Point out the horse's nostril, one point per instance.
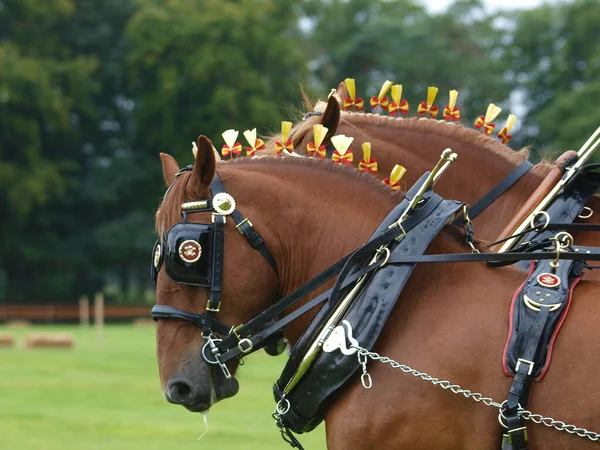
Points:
(181, 392)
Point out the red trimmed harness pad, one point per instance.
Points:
(544, 287)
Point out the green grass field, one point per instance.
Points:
(88, 398)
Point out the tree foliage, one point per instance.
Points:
(91, 92)
(555, 64)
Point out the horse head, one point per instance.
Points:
(189, 255)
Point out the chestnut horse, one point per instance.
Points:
(450, 320)
(416, 143)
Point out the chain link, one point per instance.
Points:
(559, 425)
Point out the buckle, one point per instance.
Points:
(525, 361)
(217, 309)
(238, 226)
(245, 345)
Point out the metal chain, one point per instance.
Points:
(559, 425)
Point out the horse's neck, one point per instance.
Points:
(308, 229)
(474, 174)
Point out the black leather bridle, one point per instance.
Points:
(187, 263)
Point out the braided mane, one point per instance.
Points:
(452, 130)
(169, 212)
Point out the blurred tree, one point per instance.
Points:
(58, 116)
(91, 92)
(201, 67)
(374, 40)
(41, 84)
(555, 65)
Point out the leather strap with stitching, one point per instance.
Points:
(515, 175)
(244, 226)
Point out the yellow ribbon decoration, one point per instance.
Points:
(231, 146)
(367, 164)
(451, 111)
(381, 99)
(284, 144)
(427, 107)
(345, 158)
(503, 133)
(396, 104)
(319, 132)
(254, 143)
(485, 122)
(395, 176)
(351, 100)
(341, 143)
(396, 93)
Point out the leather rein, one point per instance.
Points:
(239, 341)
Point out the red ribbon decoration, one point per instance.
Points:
(394, 186)
(279, 147)
(359, 103)
(346, 158)
(384, 103)
(423, 108)
(371, 166)
(487, 127)
(394, 108)
(453, 113)
(236, 150)
(321, 151)
(504, 136)
(258, 145)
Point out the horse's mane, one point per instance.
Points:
(444, 128)
(169, 212)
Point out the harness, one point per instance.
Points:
(193, 254)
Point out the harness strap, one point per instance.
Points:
(412, 221)
(229, 346)
(214, 302)
(344, 266)
(244, 226)
(505, 258)
(258, 339)
(267, 315)
(515, 175)
(516, 436)
(169, 312)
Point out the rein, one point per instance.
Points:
(515, 175)
(244, 339)
(239, 341)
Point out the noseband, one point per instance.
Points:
(193, 255)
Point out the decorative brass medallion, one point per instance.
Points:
(548, 280)
(157, 256)
(223, 204)
(190, 251)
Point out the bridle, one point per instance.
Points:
(193, 255)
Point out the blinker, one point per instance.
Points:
(188, 253)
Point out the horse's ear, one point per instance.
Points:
(341, 92)
(170, 168)
(331, 117)
(204, 167)
(308, 106)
